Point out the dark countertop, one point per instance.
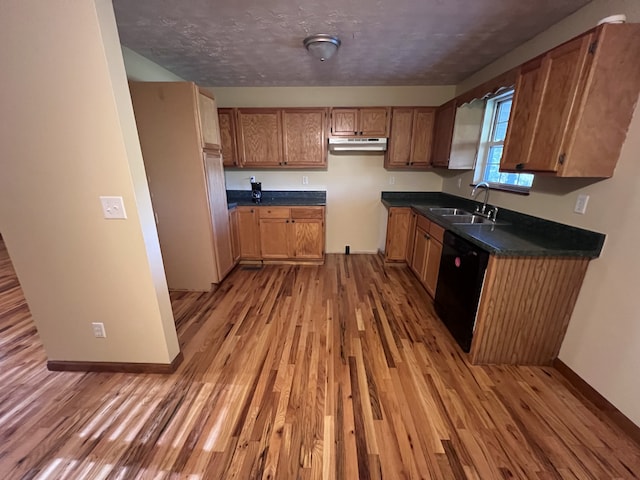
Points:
(515, 234)
(275, 198)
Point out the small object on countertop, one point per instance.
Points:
(256, 191)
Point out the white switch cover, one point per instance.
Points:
(581, 204)
(392, 180)
(113, 207)
(305, 180)
(98, 330)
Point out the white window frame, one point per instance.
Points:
(488, 128)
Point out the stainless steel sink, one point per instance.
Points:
(466, 219)
(448, 211)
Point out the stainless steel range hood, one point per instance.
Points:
(357, 145)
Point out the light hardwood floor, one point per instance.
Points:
(339, 371)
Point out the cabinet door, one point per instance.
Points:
(226, 120)
(248, 233)
(420, 252)
(541, 113)
(235, 235)
(219, 213)
(305, 137)
(399, 152)
(374, 122)
(344, 122)
(411, 238)
(259, 137)
(443, 134)
(274, 238)
(432, 266)
(561, 72)
(307, 232)
(422, 136)
(209, 128)
(307, 238)
(524, 117)
(399, 221)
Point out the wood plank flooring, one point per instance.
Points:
(340, 371)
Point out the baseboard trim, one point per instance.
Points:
(600, 403)
(115, 367)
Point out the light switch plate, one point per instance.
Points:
(113, 207)
(581, 204)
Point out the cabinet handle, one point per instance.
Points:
(426, 236)
(407, 163)
(355, 133)
(360, 133)
(520, 166)
(287, 221)
(285, 163)
(252, 210)
(293, 221)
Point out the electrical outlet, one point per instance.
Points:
(581, 204)
(392, 180)
(305, 180)
(252, 179)
(113, 207)
(98, 330)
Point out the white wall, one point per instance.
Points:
(355, 216)
(603, 341)
(62, 147)
(142, 69)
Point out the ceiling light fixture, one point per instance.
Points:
(322, 46)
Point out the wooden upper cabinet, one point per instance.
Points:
(401, 135)
(445, 117)
(411, 137)
(422, 136)
(208, 112)
(344, 122)
(259, 137)
(548, 86)
(374, 122)
(305, 137)
(356, 122)
(227, 121)
(573, 105)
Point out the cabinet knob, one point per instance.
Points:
(360, 133)
(293, 221)
(407, 163)
(355, 133)
(285, 163)
(427, 236)
(287, 221)
(520, 166)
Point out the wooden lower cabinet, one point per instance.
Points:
(399, 231)
(427, 248)
(248, 233)
(235, 236)
(282, 233)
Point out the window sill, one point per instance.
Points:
(507, 188)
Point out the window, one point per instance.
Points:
(494, 131)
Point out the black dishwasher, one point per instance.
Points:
(462, 267)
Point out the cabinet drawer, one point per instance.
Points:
(436, 232)
(423, 223)
(307, 212)
(274, 212)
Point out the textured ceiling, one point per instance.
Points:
(392, 42)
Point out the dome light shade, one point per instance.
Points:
(322, 46)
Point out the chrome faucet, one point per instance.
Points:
(491, 214)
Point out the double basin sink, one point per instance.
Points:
(459, 216)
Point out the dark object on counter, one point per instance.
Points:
(462, 268)
(256, 192)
